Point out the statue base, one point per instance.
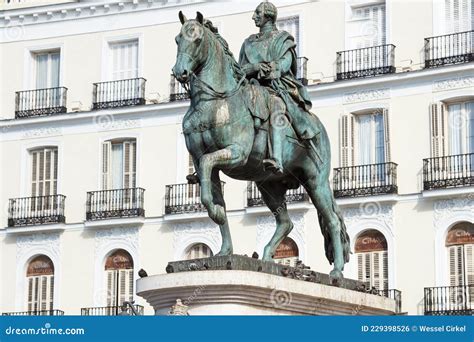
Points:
(230, 285)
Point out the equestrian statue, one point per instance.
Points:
(251, 120)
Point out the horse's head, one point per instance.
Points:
(191, 51)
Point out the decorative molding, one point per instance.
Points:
(366, 95)
(42, 132)
(114, 236)
(108, 123)
(266, 226)
(369, 212)
(453, 83)
(455, 208)
(29, 245)
(187, 233)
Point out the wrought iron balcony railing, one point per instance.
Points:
(449, 49)
(302, 70)
(448, 171)
(111, 311)
(365, 62)
(106, 204)
(184, 198)
(40, 102)
(121, 93)
(449, 300)
(393, 294)
(254, 197)
(365, 180)
(177, 91)
(28, 211)
(35, 313)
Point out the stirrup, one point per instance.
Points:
(272, 165)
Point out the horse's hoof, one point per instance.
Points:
(225, 251)
(335, 277)
(219, 215)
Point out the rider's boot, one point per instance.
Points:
(275, 162)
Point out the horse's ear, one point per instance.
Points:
(182, 17)
(199, 18)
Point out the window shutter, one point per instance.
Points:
(124, 60)
(123, 286)
(438, 126)
(360, 267)
(292, 26)
(106, 167)
(129, 174)
(385, 270)
(376, 270)
(386, 124)
(111, 287)
(455, 265)
(469, 259)
(347, 140)
(30, 294)
(130, 285)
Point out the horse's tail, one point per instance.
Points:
(326, 231)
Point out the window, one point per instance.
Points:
(40, 279)
(123, 60)
(452, 128)
(372, 259)
(460, 245)
(44, 171)
(292, 26)
(287, 252)
(199, 250)
(366, 26)
(119, 164)
(364, 138)
(119, 278)
(47, 69)
(458, 16)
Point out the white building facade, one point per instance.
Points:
(93, 177)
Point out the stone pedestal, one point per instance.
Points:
(243, 292)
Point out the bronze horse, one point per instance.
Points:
(221, 135)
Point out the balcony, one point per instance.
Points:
(365, 180)
(35, 313)
(449, 49)
(365, 62)
(39, 210)
(177, 91)
(395, 295)
(448, 171)
(302, 70)
(122, 93)
(184, 198)
(449, 300)
(254, 197)
(40, 102)
(117, 203)
(112, 311)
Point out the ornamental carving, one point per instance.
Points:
(455, 208)
(190, 232)
(453, 83)
(116, 236)
(38, 243)
(366, 95)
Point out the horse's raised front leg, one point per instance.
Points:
(273, 194)
(218, 199)
(231, 156)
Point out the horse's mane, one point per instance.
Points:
(236, 68)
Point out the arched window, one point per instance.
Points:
(119, 278)
(40, 279)
(287, 252)
(372, 259)
(198, 250)
(460, 244)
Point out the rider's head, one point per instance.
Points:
(265, 12)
